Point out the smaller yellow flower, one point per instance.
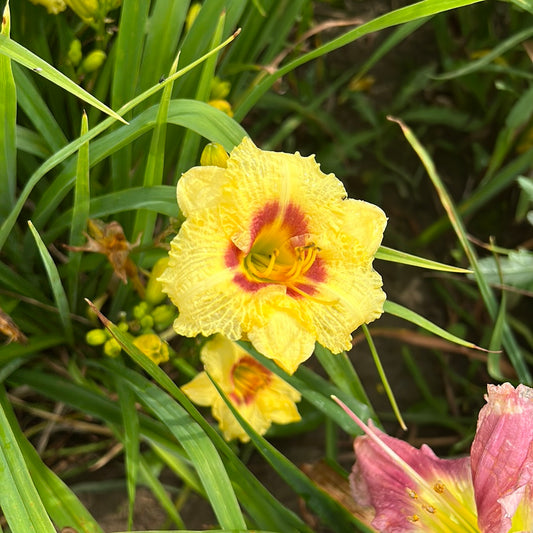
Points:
(153, 347)
(259, 396)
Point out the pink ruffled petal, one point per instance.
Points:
(411, 489)
(502, 460)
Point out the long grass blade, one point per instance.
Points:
(59, 501)
(55, 283)
(153, 174)
(509, 341)
(388, 254)
(407, 314)
(191, 436)
(80, 214)
(23, 56)
(403, 15)
(329, 510)
(68, 150)
(130, 423)
(8, 119)
(267, 512)
(19, 499)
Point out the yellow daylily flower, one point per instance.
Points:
(259, 396)
(272, 251)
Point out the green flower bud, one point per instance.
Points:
(219, 89)
(147, 322)
(74, 52)
(163, 316)
(112, 348)
(95, 337)
(93, 61)
(140, 310)
(153, 347)
(192, 14)
(214, 155)
(154, 290)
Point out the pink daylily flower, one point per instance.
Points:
(409, 489)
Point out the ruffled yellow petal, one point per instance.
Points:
(364, 225)
(280, 405)
(230, 426)
(218, 356)
(284, 339)
(359, 300)
(199, 189)
(200, 390)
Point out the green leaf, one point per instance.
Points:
(394, 18)
(153, 174)
(190, 435)
(19, 499)
(65, 152)
(402, 312)
(328, 509)
(258, 502)
(23, 56)
(80, 214)
(35, 108)
(509, 341)
(516, 269)
(8, 118)
(497, 51)
(130, 422)
(55, 283)
(59, 501)
(396, 256)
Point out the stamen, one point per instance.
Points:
(315, 299)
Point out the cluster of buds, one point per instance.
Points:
(90, 11)
(151, 317)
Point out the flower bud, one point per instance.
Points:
(154, 290)
(219, 89)
(214, 155)
(112, 348)
(163, 316)
(95, 337)
(153, 347)
(146, 322)
(192, 14)
(140, 310)
(74, 52)
(93, 61)
(85, 9)
(222, 105)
